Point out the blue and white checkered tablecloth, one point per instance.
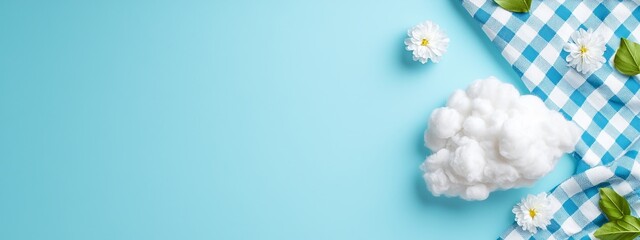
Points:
(605, 103)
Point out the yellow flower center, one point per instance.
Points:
(583, 50)
(425, 42)
(532, 213)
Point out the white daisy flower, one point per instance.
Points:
(533, 212)
(427, 41)
(586, 50)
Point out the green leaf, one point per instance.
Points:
(515, 5)
(627, 59)
(613, 205)
(626, 228)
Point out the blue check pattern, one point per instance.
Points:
(604, 103)
(575, 201)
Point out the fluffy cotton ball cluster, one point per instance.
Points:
(489, 137)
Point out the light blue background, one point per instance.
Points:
(232, 119)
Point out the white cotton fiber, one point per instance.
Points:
(489, 137)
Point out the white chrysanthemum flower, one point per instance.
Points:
(586, 50)
(533, 212)
(427, 41)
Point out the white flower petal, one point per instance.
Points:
(437, 42)
(540, 206)
(590, 60)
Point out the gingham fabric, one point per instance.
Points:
(575, 201)
(605, 103)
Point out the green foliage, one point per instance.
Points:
(621, 225)
(515, 5)
(626, 228)
(627, 59)
(613, 205)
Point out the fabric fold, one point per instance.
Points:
(604, 103)
(575, 200)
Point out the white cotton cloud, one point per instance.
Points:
(490, 137)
